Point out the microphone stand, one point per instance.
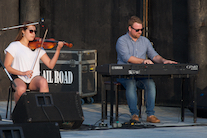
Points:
(19, 26)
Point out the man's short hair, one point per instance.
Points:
(134, 19)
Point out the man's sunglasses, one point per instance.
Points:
(31, 31)
(137, 30)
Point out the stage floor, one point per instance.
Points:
(170, 126)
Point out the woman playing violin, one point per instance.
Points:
(20, 59)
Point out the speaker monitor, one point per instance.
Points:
(30, 130)
(62, 107)
(10, 131)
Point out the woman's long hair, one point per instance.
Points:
(20, 34)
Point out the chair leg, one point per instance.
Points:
(7, 108)
(140, 102)
(10, 105)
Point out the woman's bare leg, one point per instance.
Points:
(19, 89)
(39, 83)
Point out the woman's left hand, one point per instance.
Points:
(60, 45)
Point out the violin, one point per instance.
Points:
(48, 43)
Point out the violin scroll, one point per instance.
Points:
(68, 44)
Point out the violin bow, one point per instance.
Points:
(39, 49)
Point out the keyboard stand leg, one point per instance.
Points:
(103, 105)
(117, 103)
(182, 100)
(111, 100)
(195, 99)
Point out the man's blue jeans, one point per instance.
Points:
(131, 93)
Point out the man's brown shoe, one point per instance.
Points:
(153, 119)
(135, 117)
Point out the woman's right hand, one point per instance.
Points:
(28, 73)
